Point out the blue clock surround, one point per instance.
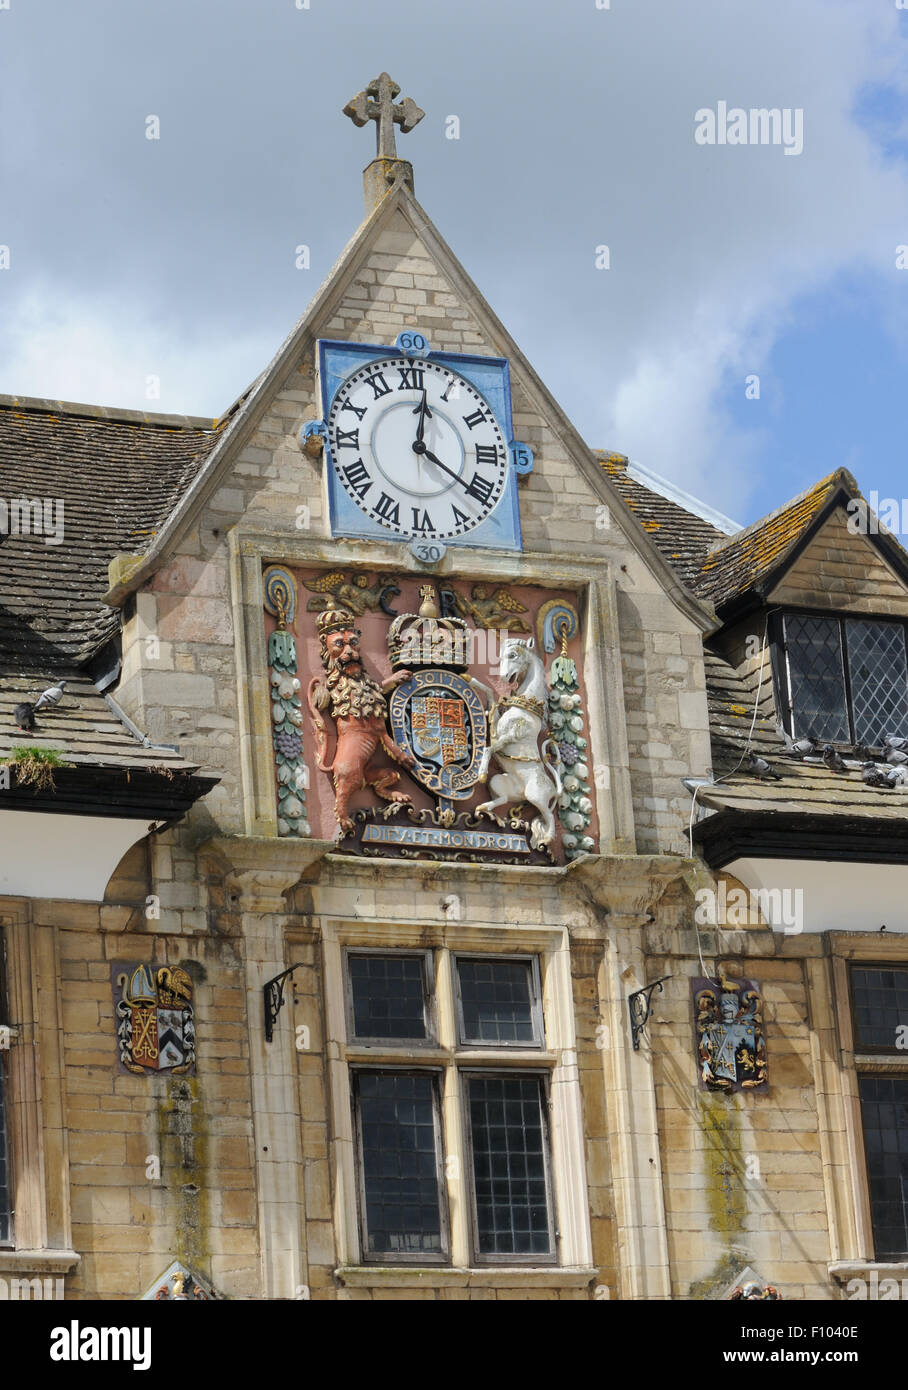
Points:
(490, 376)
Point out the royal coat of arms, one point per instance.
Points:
(155, 1026)
(439, 718)
(731, 1051)
(445, 728)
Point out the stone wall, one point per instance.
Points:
(744, 1172)
(250, 1185)
(185, 690)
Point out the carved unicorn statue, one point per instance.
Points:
(515, 724)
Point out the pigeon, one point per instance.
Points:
(833, 760)
(54, 694)
(761, 768)
(871, 776)
(896, 741)
(863, 753)
(798, 747)
(24, 716)
(896, 776)
(896, 757)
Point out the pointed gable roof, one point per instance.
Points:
(684, 537)
(747, 559)
(399, 202)
(744, 568)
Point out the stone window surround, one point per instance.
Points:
(568, 1160)
(839, 1107)
(593, 580)
(37, 1137)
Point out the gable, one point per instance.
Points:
(398, 273)
(842, 571)
(735, 566)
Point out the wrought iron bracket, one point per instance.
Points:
(640, 1005)
(274, 999)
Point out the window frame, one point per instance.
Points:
(892, 1063)
(464, 1043)
(429, 985)
(869, 1074)
(568, 1184)
(782, 667)
(851, 1218)
(417, 1257)
(865, 1049)
(5, 1146)
(533, 1259)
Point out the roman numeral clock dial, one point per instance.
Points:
(417, 448)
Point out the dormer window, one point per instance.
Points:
(843, 680)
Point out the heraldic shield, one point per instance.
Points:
(155, 1027)
(438, 717)
(731, 1051)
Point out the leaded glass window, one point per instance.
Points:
(884, 1111)
(880, 1003)
(816, 677)
(879, 679)
(388, 995)
(5, 1214)
(507, 1133)
(399, 1163)
(5, 1184)
(491, 1163)
(847, 678)
(499, 1002)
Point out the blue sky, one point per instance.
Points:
(174, 258)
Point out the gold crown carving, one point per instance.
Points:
(335, 620)
(425, 639)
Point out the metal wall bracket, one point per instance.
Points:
(274, 999)
(640, 1005)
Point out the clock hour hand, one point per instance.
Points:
(424, 413)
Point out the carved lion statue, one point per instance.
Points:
(357, 706)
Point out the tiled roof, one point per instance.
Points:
(738, 562)
(712, 564)
(119, 474)
(84, 728)
(717, 566)
(683, 537)
(807, 787)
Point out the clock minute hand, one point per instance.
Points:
(430, 458)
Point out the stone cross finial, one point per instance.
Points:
(376, 103)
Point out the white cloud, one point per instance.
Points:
(711, 248)
(64, 348)
(577, 129)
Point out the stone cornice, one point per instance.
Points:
(36, 1262)
(258, 870)
(526, 567)
(631, 885)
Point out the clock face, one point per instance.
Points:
(417, 448)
